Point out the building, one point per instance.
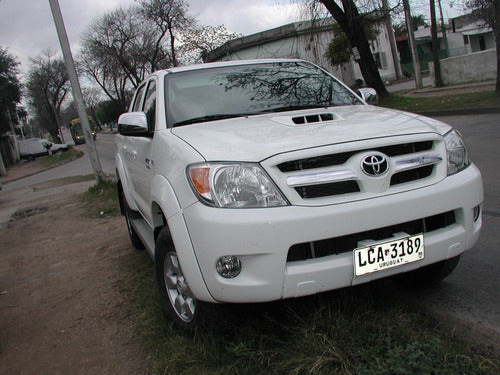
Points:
(464, 35)
(306, 40)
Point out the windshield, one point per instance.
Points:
(233, 91)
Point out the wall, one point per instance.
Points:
(474, 67)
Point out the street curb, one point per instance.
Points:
(6, 182)
(459, 112)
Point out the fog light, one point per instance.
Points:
(228, 266)
(477, 212)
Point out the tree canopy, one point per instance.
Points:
(121, 47)
(47, 88)
(10, 88)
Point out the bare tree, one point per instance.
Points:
(170, 18)
(200, 40)
(47, 88)
(121, 47)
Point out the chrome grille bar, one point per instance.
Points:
(416, 162)
(337, 175)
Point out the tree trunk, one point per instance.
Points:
(497, 87)
(350, 22)
(497, 42)
(55, 135)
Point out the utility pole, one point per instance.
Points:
(392, 39)
(443, 30)
(76, 89)
(435, 46)
(413, 46)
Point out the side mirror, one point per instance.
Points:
(368, 94)
(134, 124)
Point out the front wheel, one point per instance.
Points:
(428, 275)
(177, 300)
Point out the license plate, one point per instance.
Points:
(385, 255)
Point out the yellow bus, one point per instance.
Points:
(75, 127)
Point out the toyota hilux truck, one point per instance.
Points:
(254, 181)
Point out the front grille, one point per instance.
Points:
(411, 175)
(343, 244)
(341, 158)
(326, 190)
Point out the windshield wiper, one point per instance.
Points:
(294, 108)
(210, 118)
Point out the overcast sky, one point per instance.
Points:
(27, 27)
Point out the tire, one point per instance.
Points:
(428, 275)
(179, 305)
(129, 215)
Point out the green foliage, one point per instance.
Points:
(339, 50)
(10, 88)
(416, 20)
(101, 200)
(109, 110)
(363, 330)
(60, 157)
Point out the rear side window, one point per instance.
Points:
(138, 99)
(150, 105)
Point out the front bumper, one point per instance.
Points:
(261, 238)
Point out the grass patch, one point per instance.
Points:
(362, 330)
(479, 99)
(101, 200)
(60, 157)
(62, 181)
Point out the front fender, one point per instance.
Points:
(163, 196)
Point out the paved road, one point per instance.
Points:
(105, 144)
(472, 291)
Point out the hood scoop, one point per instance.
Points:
(312, 118)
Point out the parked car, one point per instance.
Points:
(254, 181)
(34, 147)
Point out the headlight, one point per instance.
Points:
(456, 151)
(234, 185)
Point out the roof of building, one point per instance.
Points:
(268, 36)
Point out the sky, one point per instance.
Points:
(27, 27)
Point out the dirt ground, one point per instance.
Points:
(62, 302)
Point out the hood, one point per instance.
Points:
(256, 138)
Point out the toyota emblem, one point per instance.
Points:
(375, 165)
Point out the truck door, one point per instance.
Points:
(144, 164)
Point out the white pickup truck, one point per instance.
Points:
(255, 181)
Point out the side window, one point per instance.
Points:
(150, 105)
(138, 99)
